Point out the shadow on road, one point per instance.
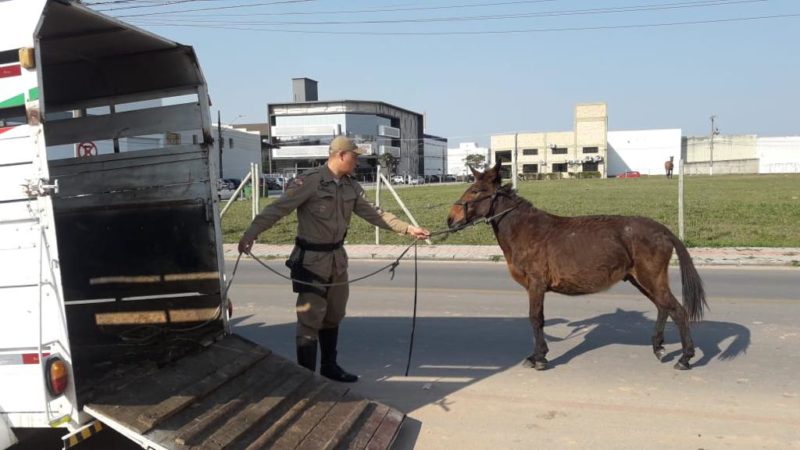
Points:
(453, 352)
(633, 328)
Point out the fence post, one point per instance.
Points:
(402, 205)
(681, 234)
(378, 202)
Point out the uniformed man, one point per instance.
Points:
(325, 198)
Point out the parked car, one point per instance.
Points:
(398, 179)
(416, 180)
(630, 174)
(233, 183)
(224, 189)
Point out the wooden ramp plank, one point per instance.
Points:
(235, 396)
(386, 431)
(319, 407)
(193, 425)
(190, 394)
(335, 424)
(362, 433)
(265, 439)
(255, 413)
(126, 406)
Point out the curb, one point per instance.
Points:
(702, 256)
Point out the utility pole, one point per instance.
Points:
(711, 144)
(221, 142)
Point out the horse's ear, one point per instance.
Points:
(496, 169)
(475, 173)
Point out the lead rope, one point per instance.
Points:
(391, 266)
(414, 316)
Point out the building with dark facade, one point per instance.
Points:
(301, 131)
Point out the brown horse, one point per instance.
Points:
(668, 166)
(583, 255)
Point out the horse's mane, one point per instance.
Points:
(509, 191)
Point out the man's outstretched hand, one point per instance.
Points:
(245, 244)
(417, 232)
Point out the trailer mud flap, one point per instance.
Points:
(235, 394)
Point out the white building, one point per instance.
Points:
(778, 154)
(456, 157)
(239, 148)
(644, 151)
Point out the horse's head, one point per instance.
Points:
(476, 202)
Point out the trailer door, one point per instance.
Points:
(33, 325)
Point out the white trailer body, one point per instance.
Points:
(95, 230)
(111, 264)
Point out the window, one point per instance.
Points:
(194, 139)
(559, 150)
(530, 151)
(530, 168)
(503, 156)
(590, 149)
(173, 139)
(230, 142)
(590, 167)
(561, 167)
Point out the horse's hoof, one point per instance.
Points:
(660, 354)
(540, 365)
(680, 365)
(528, 363)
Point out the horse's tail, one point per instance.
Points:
(694, 296)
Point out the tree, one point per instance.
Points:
(389, 162)
(476, 160)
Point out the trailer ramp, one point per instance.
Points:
(238, 395)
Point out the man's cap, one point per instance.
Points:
(344, 144)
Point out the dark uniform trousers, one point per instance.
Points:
(322, 308)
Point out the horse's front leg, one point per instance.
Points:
(537, 360)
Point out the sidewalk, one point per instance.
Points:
(744, 256)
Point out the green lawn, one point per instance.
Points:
(721, 211)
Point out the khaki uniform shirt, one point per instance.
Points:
(324, 209)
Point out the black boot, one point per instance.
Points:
(307, 352)
(328, 367)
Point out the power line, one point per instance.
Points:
(576, 12)
(375, 10)
(212, 8)
(485, 32)
(153, 5)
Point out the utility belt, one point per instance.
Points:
(311, 247)
(300, 273)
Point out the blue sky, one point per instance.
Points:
(488, 80)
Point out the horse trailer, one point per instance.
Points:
(113, 282)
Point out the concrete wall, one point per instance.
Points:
(698, 149)
(644, 151)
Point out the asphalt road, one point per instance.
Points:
(467, 389)
(605, 389)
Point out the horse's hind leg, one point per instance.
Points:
(658, 337)
(537, 360)
(666, 302)
(681, 319)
